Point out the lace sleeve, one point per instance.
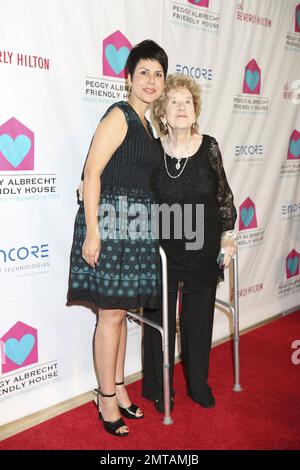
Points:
(224, 193)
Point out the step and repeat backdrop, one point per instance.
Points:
(61, 65)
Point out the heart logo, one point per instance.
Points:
(18, 351)
(247, 215)
(293, 264)
(15, 150)
(116, 58)
(252, 79)
(295, 148)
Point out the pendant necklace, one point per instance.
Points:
(178, 164)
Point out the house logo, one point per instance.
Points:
(199, 3)
(252, 78)
(297, 18)
(19, 347)
(16, 146)
(247, 213)
(292, 264)
(294, 146)
(116, 49)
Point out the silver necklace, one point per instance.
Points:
(177, 166)
(166, 167)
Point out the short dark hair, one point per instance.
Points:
(147, 49)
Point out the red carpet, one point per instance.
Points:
(266, 415)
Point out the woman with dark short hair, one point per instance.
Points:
(118, 273)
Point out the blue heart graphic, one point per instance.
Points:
(247, 215)
(295, 148)
(116, 58)
(298, 18)
(252, 79)
(15, 150)
(18, 351)
(293, 264)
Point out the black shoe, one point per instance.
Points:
(208, 401)
(112, 427)
(130, 411)
(159, 405)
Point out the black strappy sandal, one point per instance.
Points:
(130, 411)
(110, 426)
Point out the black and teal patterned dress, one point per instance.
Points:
(127, 275)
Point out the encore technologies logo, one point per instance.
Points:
(23, 260)
(115, 50)
(249, 153)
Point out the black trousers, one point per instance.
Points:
(196, 324)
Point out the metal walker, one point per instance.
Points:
(234, 310)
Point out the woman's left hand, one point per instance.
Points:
(229, 247)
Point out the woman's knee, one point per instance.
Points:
(112, 317)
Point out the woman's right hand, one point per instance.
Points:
(91, 249)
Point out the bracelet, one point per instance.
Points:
(229, 235)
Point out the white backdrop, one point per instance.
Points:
(61, 66)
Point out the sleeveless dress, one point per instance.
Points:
(203, 181)
(127, 275)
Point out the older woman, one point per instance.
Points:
(191, 173)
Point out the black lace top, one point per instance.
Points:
(202, 182)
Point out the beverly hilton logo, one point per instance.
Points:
(19, 347)
(111, 85)
(250, 100)
(16, 146)
(291, 166)
(251, 17)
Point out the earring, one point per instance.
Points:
(163, 126)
